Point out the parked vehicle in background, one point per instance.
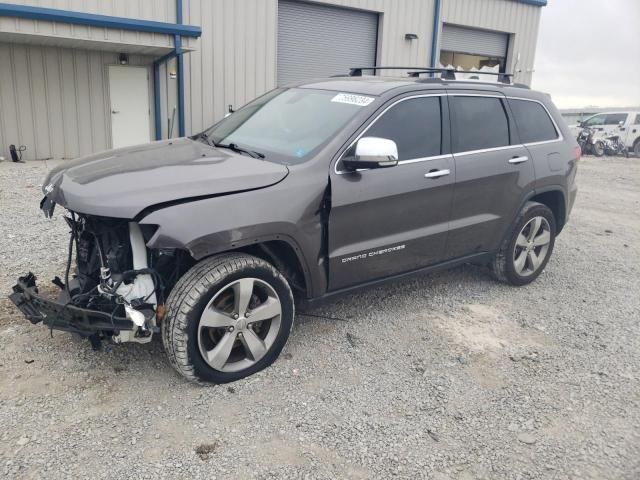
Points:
(307, 192)
(626, 125)
(614, 145)
(589, 143)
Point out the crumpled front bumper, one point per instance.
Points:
(60, 315)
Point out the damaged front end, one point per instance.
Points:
(116, 290)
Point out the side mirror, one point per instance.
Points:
(579, 123)
(372, 152)
(621, 123)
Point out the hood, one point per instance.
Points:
(121, 183)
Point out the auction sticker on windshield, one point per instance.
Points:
(353, 99)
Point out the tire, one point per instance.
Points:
(598, 149)
(202, 316)
(507, 262)
(636, 148)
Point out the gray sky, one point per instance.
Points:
(589, 53)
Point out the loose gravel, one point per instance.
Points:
(447, 376)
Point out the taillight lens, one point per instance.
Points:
(578, 153)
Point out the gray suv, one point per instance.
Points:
(305, 193)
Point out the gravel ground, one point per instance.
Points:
(448, 376)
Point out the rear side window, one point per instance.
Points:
(616, 118)
(415, 125)
(481, 122)
(534, 124)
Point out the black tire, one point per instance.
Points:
(636, 148)
(503, 264)
(192, 294)
(598, 149)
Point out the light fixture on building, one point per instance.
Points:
(123, 59)
(410, 36)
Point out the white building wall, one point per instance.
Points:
(237, 57)
(55, 100)
(234, 61)
(156, 10)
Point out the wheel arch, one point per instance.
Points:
(555, 199)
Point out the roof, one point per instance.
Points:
(379, 85)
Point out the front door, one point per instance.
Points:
(129, 102)
(493, 172)
(392, 220)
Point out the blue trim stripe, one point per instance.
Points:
(434, 34)
(94, 20)
(537, 3)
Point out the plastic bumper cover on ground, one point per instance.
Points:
(60, 315)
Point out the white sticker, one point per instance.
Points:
(353, 99)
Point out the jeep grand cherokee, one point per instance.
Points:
(307, 192)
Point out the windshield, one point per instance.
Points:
(291, 123)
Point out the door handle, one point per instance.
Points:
(516, 160)
(115, 111)
(437, 173)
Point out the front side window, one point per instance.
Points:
(533, 122)
(637, 121)
(288, 123)
(414, 124)
(481, 122)
(594, 121)
(616, 118)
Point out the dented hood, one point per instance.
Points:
(121, 183)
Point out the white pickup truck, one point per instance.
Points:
(625, 124)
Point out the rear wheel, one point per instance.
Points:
(598, 149)
(636, 148)
(527, 249)
(227, 318)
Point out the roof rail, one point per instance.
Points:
(445, 73)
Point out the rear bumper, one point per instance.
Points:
(59, 315)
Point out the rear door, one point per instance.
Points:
(391, 220)
(541, 136)
(493, 172)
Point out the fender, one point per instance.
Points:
(287, 213)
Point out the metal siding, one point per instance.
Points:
(155, 10)
(228, 56)
(473, 41)
(520, 20)
(55, 101)
(320, 41)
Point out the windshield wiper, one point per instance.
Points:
(236, 148)
(231, 146)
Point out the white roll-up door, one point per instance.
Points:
(474, 41)
(319, 41)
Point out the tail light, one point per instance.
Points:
(578, 153)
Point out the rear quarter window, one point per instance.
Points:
(533, 121)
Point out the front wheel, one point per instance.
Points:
(527, 249)
(227, 318)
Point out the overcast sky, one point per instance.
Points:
(589, 53)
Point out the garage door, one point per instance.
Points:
(474, 41)
(318, 41)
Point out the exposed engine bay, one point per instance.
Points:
(117, 288)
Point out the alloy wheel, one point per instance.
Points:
(239, 325)
(532, 246)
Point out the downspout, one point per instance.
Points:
(177, 52)
(180, 61)
(156, 100)
(434, 34)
